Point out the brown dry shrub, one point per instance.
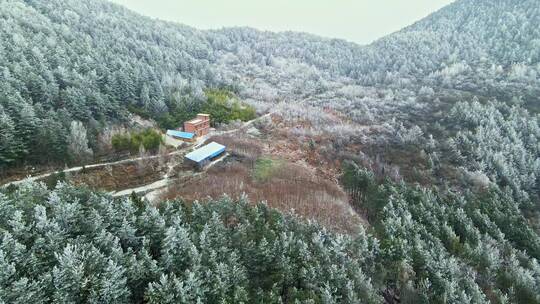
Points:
(119, 176)
(241, 146)
(248, 149)
(291, 188)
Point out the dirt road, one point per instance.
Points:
(93, 166)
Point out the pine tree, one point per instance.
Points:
(7, 275)
(69, 276)
(27, 127)
(11, 146)
(112, 287)
(51, 140)
(178, 252)
(171, 290)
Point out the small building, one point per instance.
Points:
(200, 126)
(202, 156)
(185, 136)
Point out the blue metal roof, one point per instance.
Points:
(213, 149)
(180, 134)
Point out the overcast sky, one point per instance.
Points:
(361, 21)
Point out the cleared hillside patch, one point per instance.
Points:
(287, 186)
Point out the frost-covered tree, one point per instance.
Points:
(74, 245)
(502, 142)
(11, 146)
(78, 142)
(439, 246)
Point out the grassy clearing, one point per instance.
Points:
(266, 167)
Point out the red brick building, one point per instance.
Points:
(199, 126)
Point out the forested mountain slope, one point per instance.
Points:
(74, 245)
(505, 32)
(69, 60)
(85, 247)
(478, 45)
(64, 61)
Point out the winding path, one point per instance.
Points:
(129, 160)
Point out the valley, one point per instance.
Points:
(402, 171)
